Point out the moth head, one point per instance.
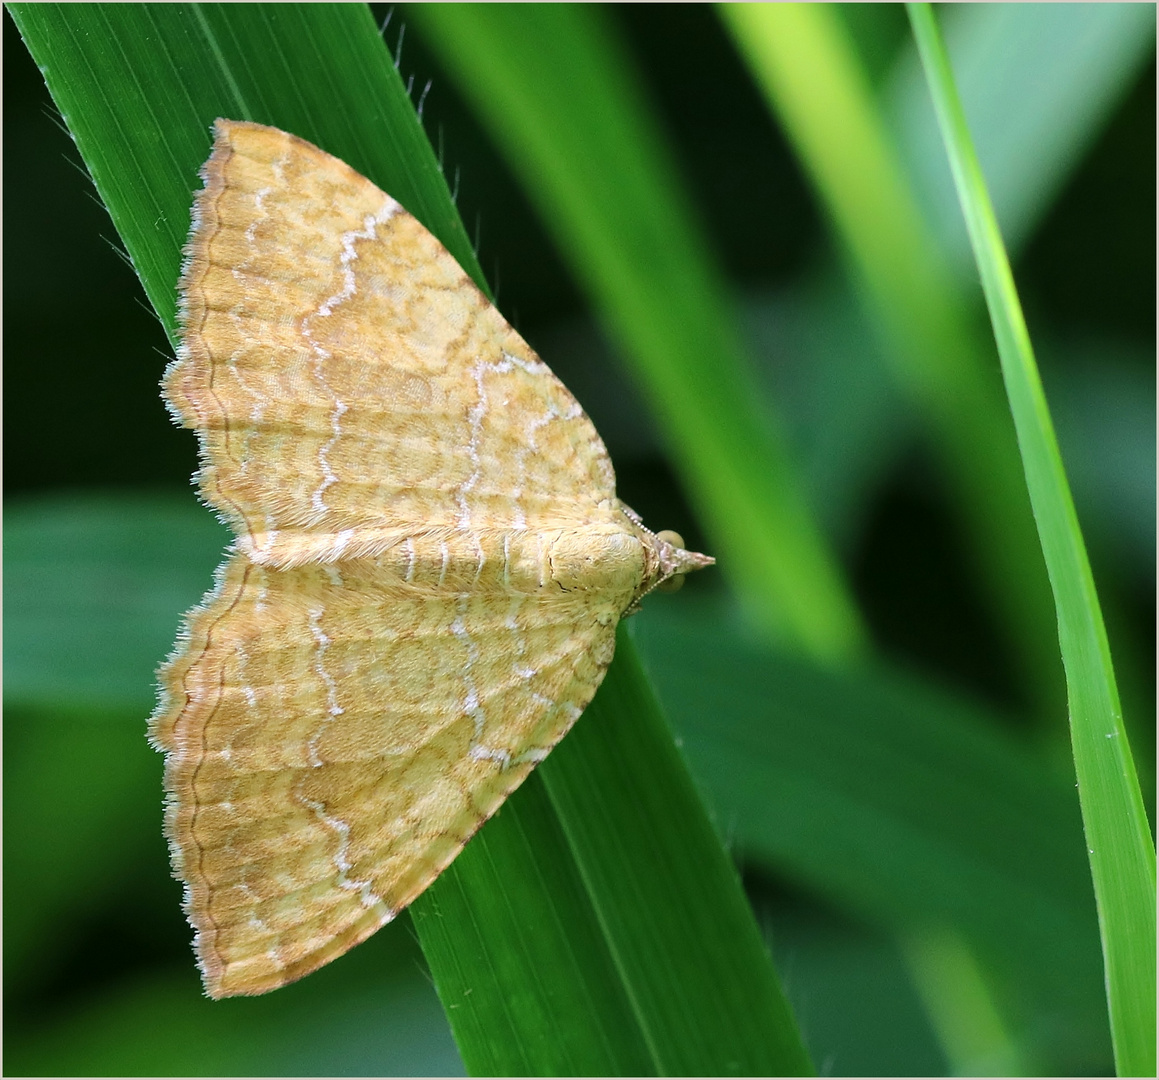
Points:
(674, 561)
(666, 561)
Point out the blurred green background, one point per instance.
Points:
(907, 831)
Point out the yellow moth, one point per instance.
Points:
(429, 568)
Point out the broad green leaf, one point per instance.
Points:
(94, 589)
(356, 1023)
(898, 803)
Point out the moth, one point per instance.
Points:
(429, 566)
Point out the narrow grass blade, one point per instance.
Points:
(553, 86)
(801, 57)
(1047, 76)
(139, 86)
(1122, 854)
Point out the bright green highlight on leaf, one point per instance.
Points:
(803, 60)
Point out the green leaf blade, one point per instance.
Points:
(1119, 842)
(740, 1023)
